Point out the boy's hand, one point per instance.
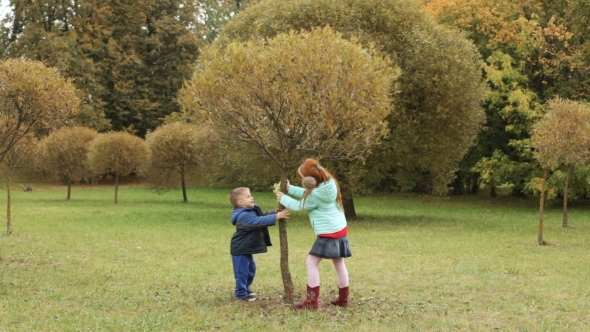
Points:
(283, 214)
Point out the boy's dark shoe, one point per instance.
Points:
(251, 293)
(248, 298)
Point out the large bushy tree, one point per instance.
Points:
(65, 155)
(437, 113)
(295, 95)
(178, 151)
(33, 98)
(118, 154)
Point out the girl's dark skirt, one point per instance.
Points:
(325, 247)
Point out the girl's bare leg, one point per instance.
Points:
(341, 270)
(313, 270)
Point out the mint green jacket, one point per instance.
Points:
(325, 215)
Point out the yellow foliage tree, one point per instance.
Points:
(179, 149)
(32, 97)
(562, 136)
(118, 154)
(293, 96)
(65, 154)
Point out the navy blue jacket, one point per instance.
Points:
(251, 236)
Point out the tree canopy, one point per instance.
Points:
(436, 114)
(294, 95)
(65, 154)
(118, 154)
(180, 151)
(33, 98)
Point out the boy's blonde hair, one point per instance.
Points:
(235, 195)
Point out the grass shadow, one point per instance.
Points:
(400, 220)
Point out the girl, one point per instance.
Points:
(322, 200)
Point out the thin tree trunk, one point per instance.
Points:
(347, 199)
(458, 184)
(183, 183)
(8, 208)
(474, 183)
(116, 188)
(565, 190)
(348, 205)
(69, 188)
(285, 272)
(493, 192)
(542, 208)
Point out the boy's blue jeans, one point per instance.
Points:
(244, 272)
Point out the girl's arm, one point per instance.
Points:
(295, 191)
(296, 205)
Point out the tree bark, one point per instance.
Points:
(348, 202)
(183, 182)
(348, 205)
(285, 272)
(475, 182)
(116, 188)
(565, 190)
(458, 185)
(541, 208)
(8, 208)
(493, 191)
(69, 188)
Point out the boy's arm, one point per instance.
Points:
(250, 221)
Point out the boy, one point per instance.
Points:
(251, 237)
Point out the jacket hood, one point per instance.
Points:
(326, 192)
(237, 211)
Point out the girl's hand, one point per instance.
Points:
(279, 196)
(277, 187)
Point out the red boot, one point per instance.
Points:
(342, 299)
(313, 295)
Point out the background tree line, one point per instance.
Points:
(532, 51)
(129, 59)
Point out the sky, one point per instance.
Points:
(3, 8)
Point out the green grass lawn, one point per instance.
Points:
(153, 263)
